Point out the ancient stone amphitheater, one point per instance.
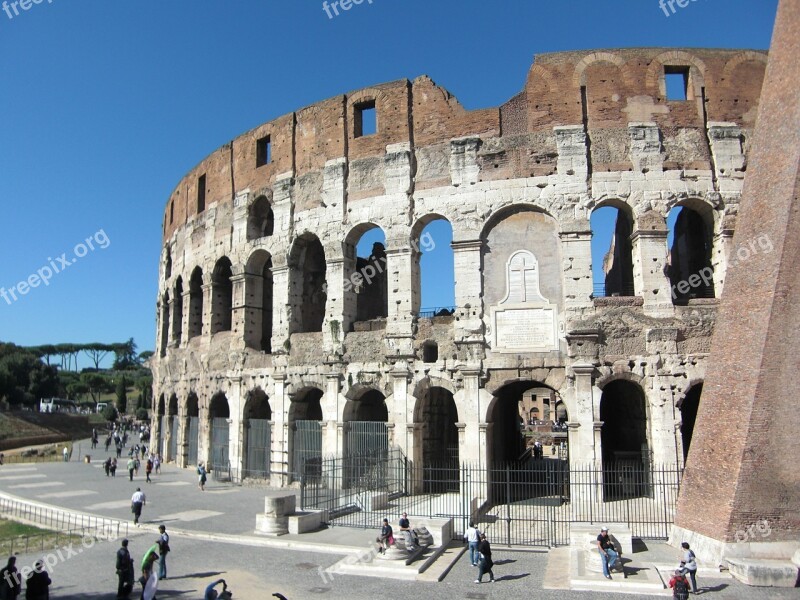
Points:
(278, 344)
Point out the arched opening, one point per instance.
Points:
(260, 219)
(366, 284)
(257, 434)
(307, 289)
(221, 296)
(173, 423)
(691, 240)
(219, 414)
(177, 312)
(164, 323)
(436, 413)
(430, 352)
(162, 424)
(689, 407)
(366, 447)
(612, 251)
(192, 432)
(258, 291)
(196, 303)
(305, 425)
(517, 469)
(433, 267)
(623, 437)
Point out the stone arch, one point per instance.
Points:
(172, 407)
(500, 214)
(690, 268)
(307, 284)
(160, 407)
(689, 404)
(260, 219)
(741, 58)
(422, 244)
(305, 404)
(196, 303)
(431, 381)
(366, 285)
(190, 424)
(257, 405)
(616, 278)
(436, 439)
(604, 380)
(579, 76)
(219, 414)
(222, 296)
(256, 430)
(676, 58)
(624, 438)
(259, 300)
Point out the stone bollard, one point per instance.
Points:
(275, 519)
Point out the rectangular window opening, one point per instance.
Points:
(171, 212)
(677, 80)
(201, 194)
(263, 151)
(366, 119)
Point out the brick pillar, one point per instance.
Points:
(742, 463)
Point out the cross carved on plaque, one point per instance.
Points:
(523, 278)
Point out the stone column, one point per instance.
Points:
(649, 243)
(333, 429)
(280, 460)
(238, 310)
(584, 447)
(468, 325)
(340, 310)
(208, 309)
(187, 303)
(281, 312)
(576, 251)
(402, 304)
(402, 406)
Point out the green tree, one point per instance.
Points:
(95, 382)
(24, 378)
(143, 414)
(110, 413)
(97, 352)
(122, 395)
(125, 356)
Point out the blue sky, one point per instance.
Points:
(106, 105)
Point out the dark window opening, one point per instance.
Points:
(430, 352)
(263, 151)
(171, 212)
(366, 119)
(201, 194)
(677, 80)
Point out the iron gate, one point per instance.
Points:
(162, 429)
(529, 503)
(307, 449)
(259, 436)
(220, 439)
(173, 440)
(194, 431)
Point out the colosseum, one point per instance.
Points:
(283, 346)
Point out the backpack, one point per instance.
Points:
(681, 589)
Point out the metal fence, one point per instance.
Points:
(220, 442)
(173, 440)
(193, 432)
(529, 503)
(258, 439)
(307, 444)
(61, 520)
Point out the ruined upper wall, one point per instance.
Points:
(604, 90)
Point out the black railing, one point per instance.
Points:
(524, 503)
(599, 290)
(436, 311)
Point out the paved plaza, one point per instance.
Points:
(212, 538)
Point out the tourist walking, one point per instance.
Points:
(473, 538)
(38, 585)
(149, 577)
(201, 477)
(157, 460)
(148, 468)
(689, 565)
(608, 554)
(125, 572)
(485, 562)
(130, 466)
(138, 500)
(107, 466)
(10, 584)
(65, 452)
(163, 547)
(113, 467)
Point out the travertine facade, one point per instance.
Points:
(258, 302)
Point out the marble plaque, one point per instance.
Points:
(525, 328)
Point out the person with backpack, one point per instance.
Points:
(201, 477)
(679, 585)
(689, 565)
(38, 585)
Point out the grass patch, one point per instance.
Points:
(19, 538)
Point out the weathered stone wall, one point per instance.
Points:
(589, 129)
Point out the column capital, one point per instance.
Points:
(466, 245)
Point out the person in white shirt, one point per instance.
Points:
(472, 536)
(138, 500)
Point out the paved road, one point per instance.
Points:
(254, 572)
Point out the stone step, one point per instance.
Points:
(764, 572)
